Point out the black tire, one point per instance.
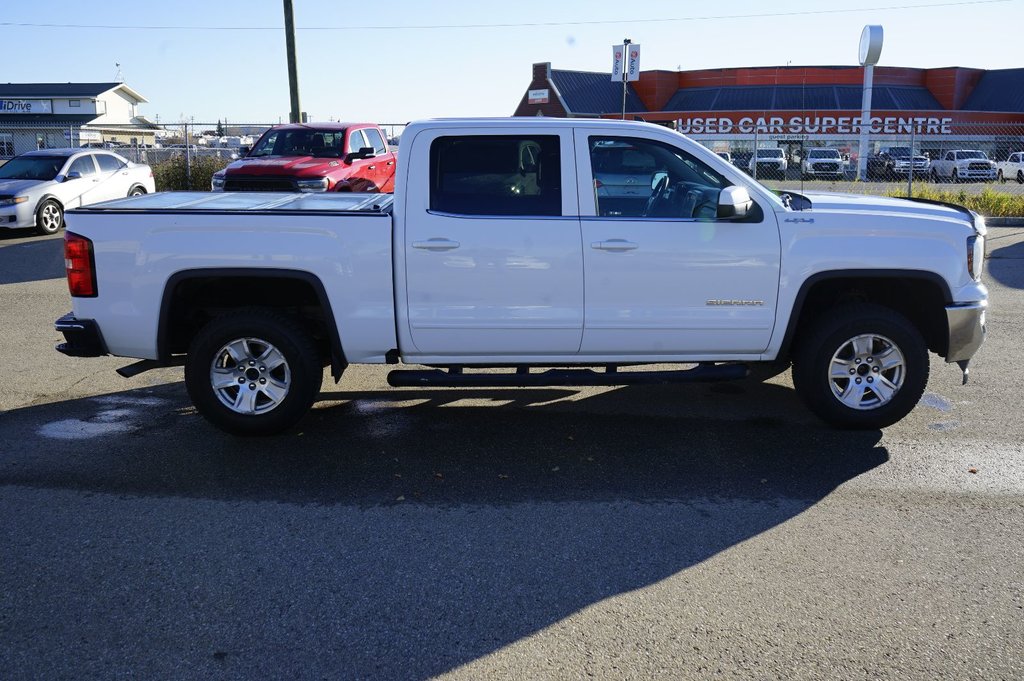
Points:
(1020, 177)
(829, 335)
(301, 362)
(49, 217)
(136, 191)
(955, 177)
(1002, 180)
(935, 176)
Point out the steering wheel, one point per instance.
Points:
(656, 195)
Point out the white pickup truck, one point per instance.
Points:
(963, 165)
(499, 261)
(1012, 168)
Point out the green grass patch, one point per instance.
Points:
(990, 203)
(171, 175)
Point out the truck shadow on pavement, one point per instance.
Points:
(1006, 264)
(408, 532)
(25, 257)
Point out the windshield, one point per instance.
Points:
(769, 153)
(971, 154)
(823, 153)
(300, 142)
(32, 168)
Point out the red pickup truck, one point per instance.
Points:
(313, 157)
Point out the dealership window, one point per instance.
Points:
(74, 102)
(496, 175)
(641, 178)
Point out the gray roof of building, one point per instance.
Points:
(55, 89)
(586, 92)
(1001, 90)
(795, 97)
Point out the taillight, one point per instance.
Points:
(80, 265)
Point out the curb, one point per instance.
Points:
(1004, 222)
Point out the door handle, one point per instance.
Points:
(391, 163)
(615, 245)
(373, 167)
(436, 244)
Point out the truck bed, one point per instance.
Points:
(250, 202)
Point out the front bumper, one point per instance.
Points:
(966, 322)
(966, 174)
(19, 215)
(82, 337)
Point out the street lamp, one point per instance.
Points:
(870, 51)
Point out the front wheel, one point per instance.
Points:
(253, 372)
(999, 176)
(861, 366)
(1020, 177)
(49, 217)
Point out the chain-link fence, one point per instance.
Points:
(897, 157)
(189, 152)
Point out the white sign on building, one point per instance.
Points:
(26, 106)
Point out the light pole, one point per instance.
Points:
(870, 51)
(293, 69)
(625, 72)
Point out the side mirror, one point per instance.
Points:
(244, 150)
(734, 202)
(73, 175)
(364, 152)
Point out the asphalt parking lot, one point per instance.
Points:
(675, 532)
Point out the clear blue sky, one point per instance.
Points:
(396, 74)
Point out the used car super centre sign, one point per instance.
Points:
(26, 106)
(927, 125)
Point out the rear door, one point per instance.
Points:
(114, 181)
(383, 166)
(493, 261)
(79, 191)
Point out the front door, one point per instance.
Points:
(493, 256)
(664, 276)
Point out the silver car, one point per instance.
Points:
(37, 187)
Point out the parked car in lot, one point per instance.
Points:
(313, 157)
(770, 163)
(38, 186)
(1012, 168)
(822, 162)
(894, 163)
(725, 155)
(501, 254)
(963, 165)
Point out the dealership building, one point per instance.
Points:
(53, 115)
(798, 106)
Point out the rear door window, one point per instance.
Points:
(496, 175)
(108, 163)
(374, 140)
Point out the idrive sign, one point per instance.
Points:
(26, 106)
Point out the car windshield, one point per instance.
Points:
(823, 153)
(971, 154)
(899, 151)
(769, 153)
(301, 142)
(32, 168)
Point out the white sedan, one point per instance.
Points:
(37, 187)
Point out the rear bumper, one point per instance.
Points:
(82, 337)
(966, 322)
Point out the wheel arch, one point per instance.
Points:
(928, 294)
(177, 322)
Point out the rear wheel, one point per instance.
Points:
(1020, 177)
(862, 366)
(253, 372)
(136, 191)
(49, 217)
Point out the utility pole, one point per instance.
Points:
(293, 70)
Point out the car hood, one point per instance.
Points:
(15, 187)
(296, 166)
(862, 202)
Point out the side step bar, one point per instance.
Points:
(455, 378)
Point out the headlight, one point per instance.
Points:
(13, 200)
(319, 185)
(975, 256)
(216, 183)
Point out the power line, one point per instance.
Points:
(536, 24)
